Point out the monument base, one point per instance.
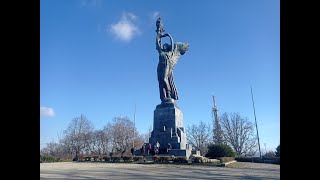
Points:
(168, 129)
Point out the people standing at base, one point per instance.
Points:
(149, 148)
(143, 150)
(169, 147)
(157, 147)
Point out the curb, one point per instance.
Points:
(225, 164)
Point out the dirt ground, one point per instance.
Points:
(93, 170)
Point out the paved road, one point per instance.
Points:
(87, 170)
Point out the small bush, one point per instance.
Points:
(138, 158)
(65, 160)
(126, 158)
(116, 157)
(220, 150)
(269, 154)
(155, 159)
(180, 160)
(80, 157)
(49, 159)
(273, 160)
(165, 159)
(106, 158)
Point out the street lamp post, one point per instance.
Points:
(134, 128)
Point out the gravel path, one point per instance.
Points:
(87, 170)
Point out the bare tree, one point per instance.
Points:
(199, 136)
(55, 149)
(80, 137)
(139, 140)
(107, 142)
(91, 143)
(122, 133)
(239, 133)
(52, 149)
(78, 134)
(45, 151)
(67, 145)
(99, 144)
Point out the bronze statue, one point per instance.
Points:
(168, 57)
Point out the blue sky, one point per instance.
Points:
(98, 58)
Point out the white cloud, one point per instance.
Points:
(155, 15)
(46, 112)
(125, 29)
(132, 16)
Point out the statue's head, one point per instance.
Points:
(166, 47)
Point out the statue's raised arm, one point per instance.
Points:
(159, 32)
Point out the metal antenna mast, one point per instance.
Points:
(217, 136)
(254, 111)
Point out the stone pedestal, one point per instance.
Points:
(168, 128)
